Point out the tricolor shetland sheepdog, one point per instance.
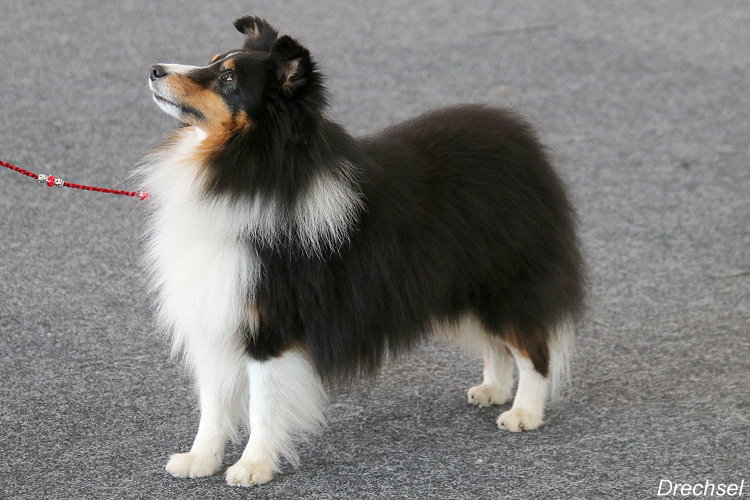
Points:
(286, 254)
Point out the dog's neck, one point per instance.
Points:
(315, 220)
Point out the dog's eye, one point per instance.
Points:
(227, 76)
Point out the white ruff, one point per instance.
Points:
(200, 268)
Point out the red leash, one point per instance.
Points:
(52, 181)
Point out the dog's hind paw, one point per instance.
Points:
(248, 474)
(487, 395)
(192, 465)
(517, 420)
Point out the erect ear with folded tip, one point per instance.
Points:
(294, 67)
(259, 35)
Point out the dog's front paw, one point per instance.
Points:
(192, 465)
(248, 474)
(488, 395)
(517, 420)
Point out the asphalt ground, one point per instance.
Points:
(644, 106)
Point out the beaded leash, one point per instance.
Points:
(52, 181)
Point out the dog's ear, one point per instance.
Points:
(295, 69)
(259, 35)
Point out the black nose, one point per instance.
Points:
(158, 71)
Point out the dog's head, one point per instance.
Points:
(239, 86)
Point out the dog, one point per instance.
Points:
(286, 254)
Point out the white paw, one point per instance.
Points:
(248, 474)
(488, 395)
(192, 465)
(518, 419)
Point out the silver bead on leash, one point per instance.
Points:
(50, 180)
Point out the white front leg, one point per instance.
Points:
(287, 401)
(222, 390)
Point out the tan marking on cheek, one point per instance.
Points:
(215, 111)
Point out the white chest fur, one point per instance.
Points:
(202, 272)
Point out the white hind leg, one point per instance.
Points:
(528, 407)
(527, 412)
(469, 333)
(497, 376)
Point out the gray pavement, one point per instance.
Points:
(645, 108)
